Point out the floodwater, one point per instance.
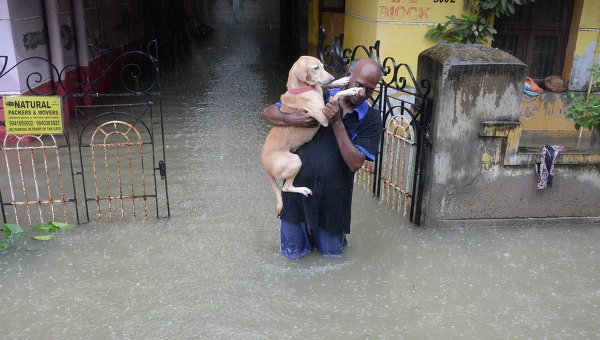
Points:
(213, 270)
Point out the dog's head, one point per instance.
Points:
(310, 71)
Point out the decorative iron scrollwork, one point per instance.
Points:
(138, 73)
(398, 76)
(399, 97)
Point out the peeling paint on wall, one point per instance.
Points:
(580, 76)
(31, 40)
(67, 37)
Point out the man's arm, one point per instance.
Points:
(299, 118)
(353, 157)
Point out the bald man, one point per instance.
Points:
(329, 162)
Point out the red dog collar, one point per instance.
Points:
(302, 89)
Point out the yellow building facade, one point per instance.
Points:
(401, 26)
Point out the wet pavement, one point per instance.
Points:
(213, 270)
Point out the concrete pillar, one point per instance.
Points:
(470, 84)
(475, 175)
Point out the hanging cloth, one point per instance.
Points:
(545, 168)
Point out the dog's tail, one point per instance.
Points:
(275, 187)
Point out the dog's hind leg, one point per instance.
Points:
(293, 166)
(289, 187)
(275, 188)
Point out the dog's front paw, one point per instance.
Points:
(340, 82)
(348, 92)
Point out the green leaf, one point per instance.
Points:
(3, 245)
(10, 229)
(43, 237)
(60, 225)
(44, 228)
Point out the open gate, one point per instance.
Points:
(110, 159)
(399, 172)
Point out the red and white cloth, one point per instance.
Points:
(545, 168)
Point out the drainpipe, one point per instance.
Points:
(82, 47)
(81, 39)
(54, 41)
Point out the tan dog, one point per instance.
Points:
(305, 81)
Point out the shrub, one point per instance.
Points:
(475, 27)
(586, 113)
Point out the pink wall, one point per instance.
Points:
(10, 81)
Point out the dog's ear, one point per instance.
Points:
(301, 71)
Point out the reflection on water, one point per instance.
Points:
(213, 269)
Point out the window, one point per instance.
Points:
(537, 35)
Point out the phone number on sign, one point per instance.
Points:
(47, 122)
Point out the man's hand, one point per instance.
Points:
(300, 119)
(332, 111)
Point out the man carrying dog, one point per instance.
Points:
(329, 162)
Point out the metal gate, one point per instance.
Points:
(110, 159)
(399, 172)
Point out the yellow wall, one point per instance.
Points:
(399, 25)
(359, 32)
(416, 11)
(589, 26)
(363, 8)
(590, 16)
(544, 112)
(403, 46)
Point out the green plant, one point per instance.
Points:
(468, 29)
(586, 113)
(9, 231)
(474, 27)
(12, 229)
(51, 227)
